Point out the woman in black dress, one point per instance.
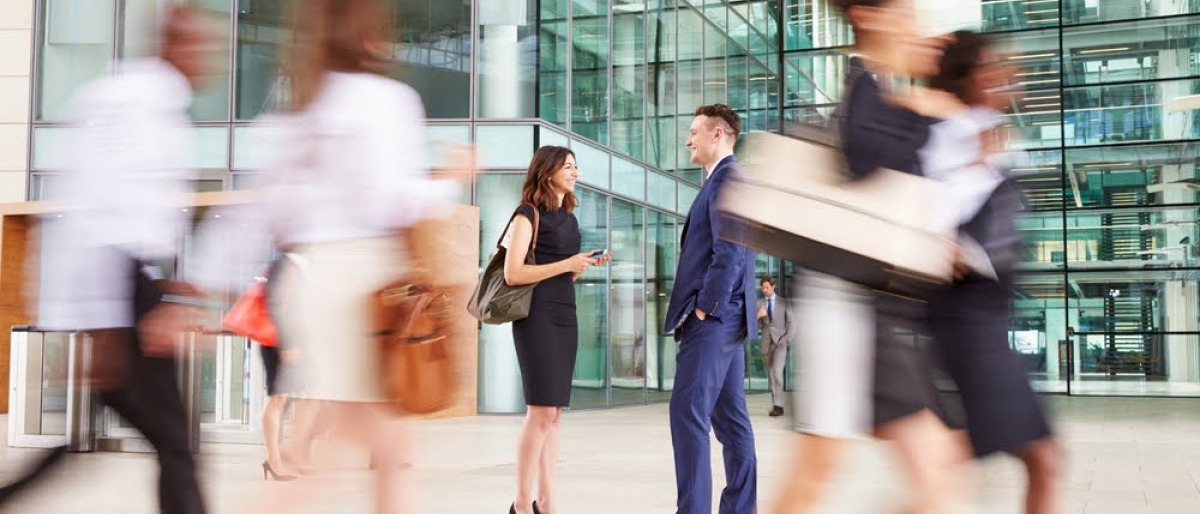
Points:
(970, 320)
(547, 340)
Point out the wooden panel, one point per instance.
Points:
(15, 241)
(455, 243)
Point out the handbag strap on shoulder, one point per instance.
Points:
(536, 221)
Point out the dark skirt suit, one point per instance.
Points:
(877, 134)
(970, 324)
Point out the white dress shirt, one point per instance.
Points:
(131, 147)
(951, 156)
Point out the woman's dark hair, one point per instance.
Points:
(538, 188)
(960, 59)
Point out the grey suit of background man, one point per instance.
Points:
(775, 334)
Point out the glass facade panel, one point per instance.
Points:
(590, 64)
(627, 319)
(1076, 12)
(50, 148)
(629, 179)
(444, 139)
(1020, 14)
(504, 146)
(591, 380)
(660, 279)
(212, 148)
(1131, 51)
(250, 147)
(687, 195)
(1038, 329)
(434, 52)
(499, 376)
(661, 190)
(75, 45)
(553, 69)
(548, 136)
(261, 28)
(593, 164)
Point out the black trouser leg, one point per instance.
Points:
(152, 403)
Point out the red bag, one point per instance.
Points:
(248, 317)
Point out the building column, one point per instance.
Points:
(500, 58)
(16, 55)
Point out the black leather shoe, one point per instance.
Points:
(535, 509)
(776, 412)
(512, 509)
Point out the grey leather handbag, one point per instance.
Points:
(494, 301)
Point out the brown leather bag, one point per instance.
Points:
(413, 327)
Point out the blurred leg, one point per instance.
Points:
(929, 452)
(1043, 461)
(812, 463)
(272, 421)
(299, 446)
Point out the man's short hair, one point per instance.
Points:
(724, 113)
(767, 280)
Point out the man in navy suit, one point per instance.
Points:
(712, 314)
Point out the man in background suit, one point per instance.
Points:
(712, 313)
(775, 335)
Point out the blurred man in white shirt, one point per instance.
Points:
(112, 253)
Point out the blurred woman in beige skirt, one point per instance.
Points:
(352, 172)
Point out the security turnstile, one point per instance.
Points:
(51, 404)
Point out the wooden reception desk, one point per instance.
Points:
(457, 244)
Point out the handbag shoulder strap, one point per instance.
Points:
(536, 222)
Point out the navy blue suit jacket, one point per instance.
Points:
(714, 275)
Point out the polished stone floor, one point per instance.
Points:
(1126, 456)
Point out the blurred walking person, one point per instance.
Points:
(970, 320)
(109, 272)
(712, 313)
(277, 362)
(862, 366)
(547, 340)
(352, 171)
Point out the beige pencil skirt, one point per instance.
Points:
(328, 316)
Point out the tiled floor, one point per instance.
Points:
(1127, 456)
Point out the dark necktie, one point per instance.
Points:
(770, 309)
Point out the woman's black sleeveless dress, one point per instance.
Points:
(548, 339)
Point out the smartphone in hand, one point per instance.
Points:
(599, 254)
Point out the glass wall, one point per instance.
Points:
(635, 70)
(616, 80)
(1108, 303)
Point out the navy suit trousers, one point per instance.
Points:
(709, 393)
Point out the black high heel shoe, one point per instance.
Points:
(535, 509)
(512, 509)
(268, 470)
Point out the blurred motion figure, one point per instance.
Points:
(115, 246)
(970, 320)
